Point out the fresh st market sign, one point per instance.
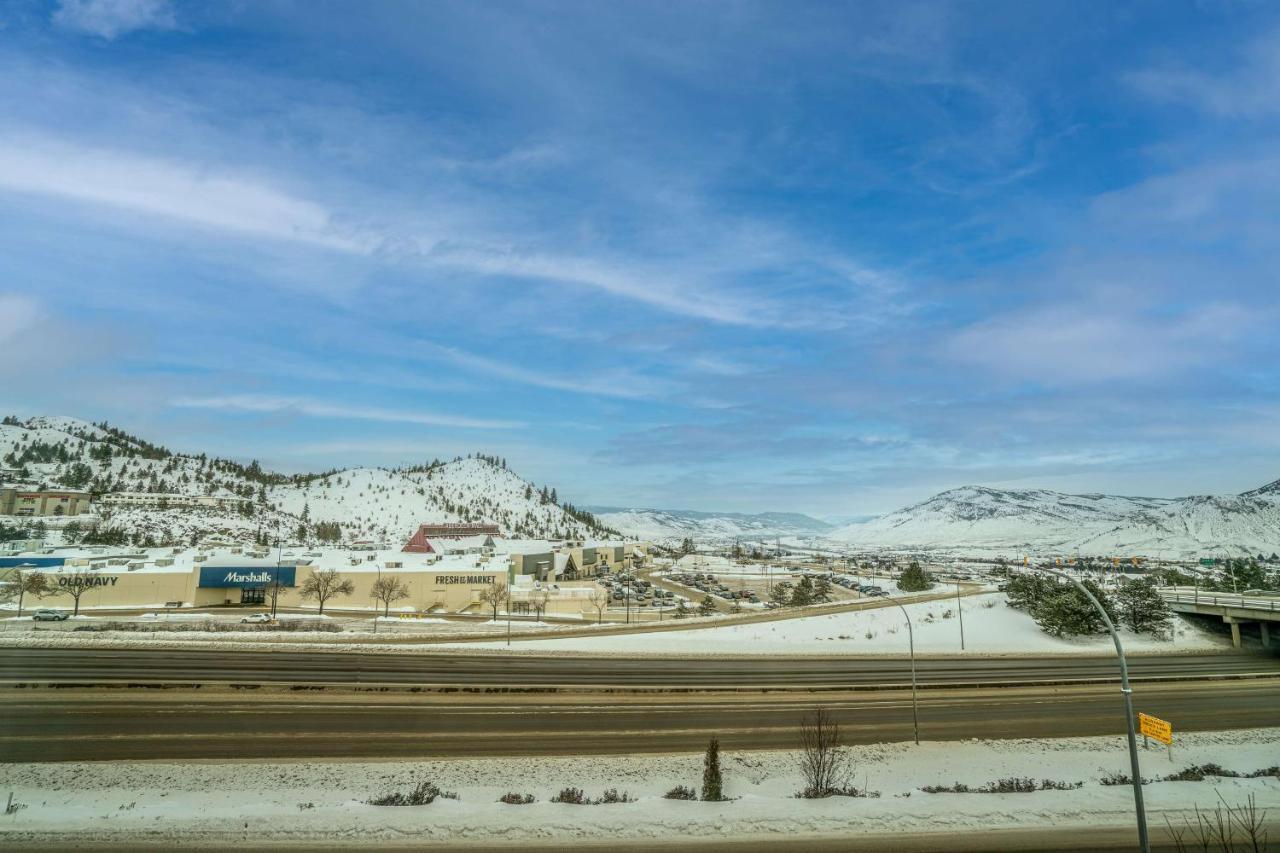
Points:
(225, 577)
(442, 580)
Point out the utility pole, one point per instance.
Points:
(911, 640)
(960, 610)
(1144, 843)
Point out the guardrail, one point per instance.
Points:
(1219, 599)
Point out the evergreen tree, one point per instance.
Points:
(822, 590)
(803, 593)
(711, 781)
(915, 579)
(72, 532)
(1025, 590)
(1141, 608)
(707, 607)
(1068, 613)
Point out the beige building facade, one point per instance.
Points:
(47, 503)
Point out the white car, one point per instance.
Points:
(257, 618)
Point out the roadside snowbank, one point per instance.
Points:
(161, 802)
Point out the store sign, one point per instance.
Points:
(445, 580)
(1155, 728)
(230, 577)
(86, 581)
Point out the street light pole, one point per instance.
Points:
(275, 578)
(911, 640)
(1144, 843)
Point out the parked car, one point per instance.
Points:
(257, 618)
(47, 614)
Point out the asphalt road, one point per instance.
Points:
(342, 723)
(93, 666)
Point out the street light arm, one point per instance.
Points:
(1143, 841)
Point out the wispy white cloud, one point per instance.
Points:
(17, 313)
(622, 384)
(112, 18)
(1085, 343)
(1251, 88)
(170, 189)
(321, 409)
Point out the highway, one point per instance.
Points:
(344, 723)
(207, 666)
(94, 704)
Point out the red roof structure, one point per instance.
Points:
(420, 543)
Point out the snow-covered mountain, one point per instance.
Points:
(384, 504)
(668, 525)
(1039, 521)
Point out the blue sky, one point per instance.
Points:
(744, 256)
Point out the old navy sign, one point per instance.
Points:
(224, 577)
(85, 581)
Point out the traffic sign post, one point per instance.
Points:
(1156, 729)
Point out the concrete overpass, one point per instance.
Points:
(1233, 608)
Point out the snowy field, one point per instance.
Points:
(162, 803)
(990, 627)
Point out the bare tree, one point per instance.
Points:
(538, 601)
(825, 766)
(494, 595)
(19, 583)
(323, 585)
(599, 600)
(1228, 828)
(387, 589)
(75, 586)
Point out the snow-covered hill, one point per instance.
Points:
(383, 504)
(1039, 521)
(662, 525)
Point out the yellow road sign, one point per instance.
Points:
(1155, 728)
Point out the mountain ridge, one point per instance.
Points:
(1031, 520)
(359, 502)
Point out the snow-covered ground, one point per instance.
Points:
(160, 802)
(990, 627)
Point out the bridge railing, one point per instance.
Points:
(1187, 595)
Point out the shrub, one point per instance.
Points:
(680, 792)
(517, 799)
(1011, 785)
(570, 795)
(612, 796)
(424, 795)
(1199, 772)
(844, 791)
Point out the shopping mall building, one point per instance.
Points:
(436, 583)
